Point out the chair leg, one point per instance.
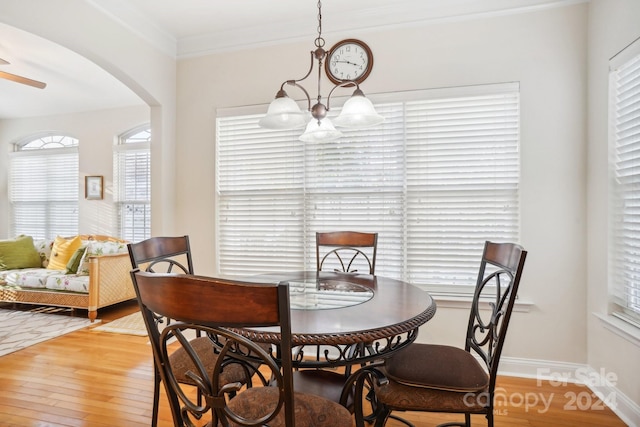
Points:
(156, 396)
(362, 382)
(382, 418)
(490, 417)
(385, 415)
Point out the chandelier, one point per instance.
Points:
(284, 113)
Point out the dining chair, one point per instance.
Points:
(440, 378)
(346, 251)
(167, 254)
(221, 308)
(163, 254)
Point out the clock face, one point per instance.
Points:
(349, 60)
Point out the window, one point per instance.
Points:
(43, 187)
(624, 250)
(435, 180)
(132, 176)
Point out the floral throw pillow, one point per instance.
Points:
(97, 248)
(44, 246)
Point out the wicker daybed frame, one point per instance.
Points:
(109, 284)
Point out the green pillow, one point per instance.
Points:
(74, 261)
(19, 253)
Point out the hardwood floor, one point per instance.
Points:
(98, 379)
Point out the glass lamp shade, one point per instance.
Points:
(320, 132)
(283, 113)
(358, 113)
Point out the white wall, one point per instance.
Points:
(612, 26)
(96, 132)
(148, 72)
(545, 51)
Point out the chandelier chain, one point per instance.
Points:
(319, 42)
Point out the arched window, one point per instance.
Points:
(132, 189)
(43, 186)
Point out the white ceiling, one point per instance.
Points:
(73, 82)
(188, 28)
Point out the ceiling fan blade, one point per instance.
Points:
(3, 62)
(23, 80)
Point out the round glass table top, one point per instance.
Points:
(326, 294)
(383, 308)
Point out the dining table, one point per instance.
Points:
(333, 313)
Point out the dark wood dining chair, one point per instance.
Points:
(218, 308)
(346, 251)
(439, 378)
(163, 254)
(167, 254)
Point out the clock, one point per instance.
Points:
(349, 59)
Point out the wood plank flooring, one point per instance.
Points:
(99, 379)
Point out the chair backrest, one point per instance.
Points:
(347, 251)
(214, 307)
(498, 280)
(162, 254)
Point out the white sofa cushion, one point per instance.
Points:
(69, 282)
(42, 278)
(29, 277)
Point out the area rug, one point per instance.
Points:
(132, 324)
(21, 329)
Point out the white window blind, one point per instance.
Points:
(43, 190)
(624, 253)
(260, 198)
(462, 183)
(132, 176)
(357, 183)
(435, 180)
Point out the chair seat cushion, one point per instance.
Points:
(437, 366)
(403, 397)
(310, 410)
(181, 363)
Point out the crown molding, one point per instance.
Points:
(138, 23)
(385, 16)
(392, 16)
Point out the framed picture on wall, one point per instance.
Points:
(93, 187)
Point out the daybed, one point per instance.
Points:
(99, 276)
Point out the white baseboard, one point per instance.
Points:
(623, 406)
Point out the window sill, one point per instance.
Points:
(620, 327)
(464, 302)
